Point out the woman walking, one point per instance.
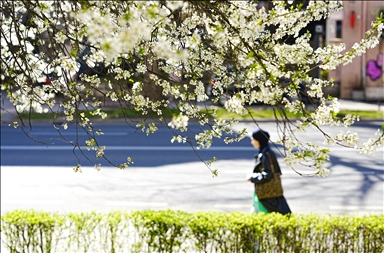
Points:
(266, 176)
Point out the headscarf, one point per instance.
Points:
(262, 137)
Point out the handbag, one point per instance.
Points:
(272, 188)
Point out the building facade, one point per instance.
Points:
(363, 78)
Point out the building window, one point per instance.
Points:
(339, 29)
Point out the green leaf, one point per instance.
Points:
(250, 55)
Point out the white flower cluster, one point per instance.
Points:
(149, 55)
(325, 114)
(308, 154)
(151, 128)
(179, 122)
(235, 105)
(373, 144)
(350, 139)
(204, 139)
(179, 139)
(323, 172)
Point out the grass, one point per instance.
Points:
(260, 113)
(111, 114)
(269, 113)
(364, 114)
(131, 113)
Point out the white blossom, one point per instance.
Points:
(179, 139)
(154, 55)
(235, 105)
(179, 122)
(323, 172)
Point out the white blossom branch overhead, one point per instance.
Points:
(145, 55)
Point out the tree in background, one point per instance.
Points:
(145, 54)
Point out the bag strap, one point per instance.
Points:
(270, 161)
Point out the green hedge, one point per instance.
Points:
(176, 231)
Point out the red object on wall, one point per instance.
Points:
(352, 19)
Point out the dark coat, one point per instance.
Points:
(262, 173)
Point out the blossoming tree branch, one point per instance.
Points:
(144, 54)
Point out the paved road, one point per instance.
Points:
(355, 185)
(46, 147)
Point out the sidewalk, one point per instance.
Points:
(361, 106)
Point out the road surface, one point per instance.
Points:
(169, 176)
